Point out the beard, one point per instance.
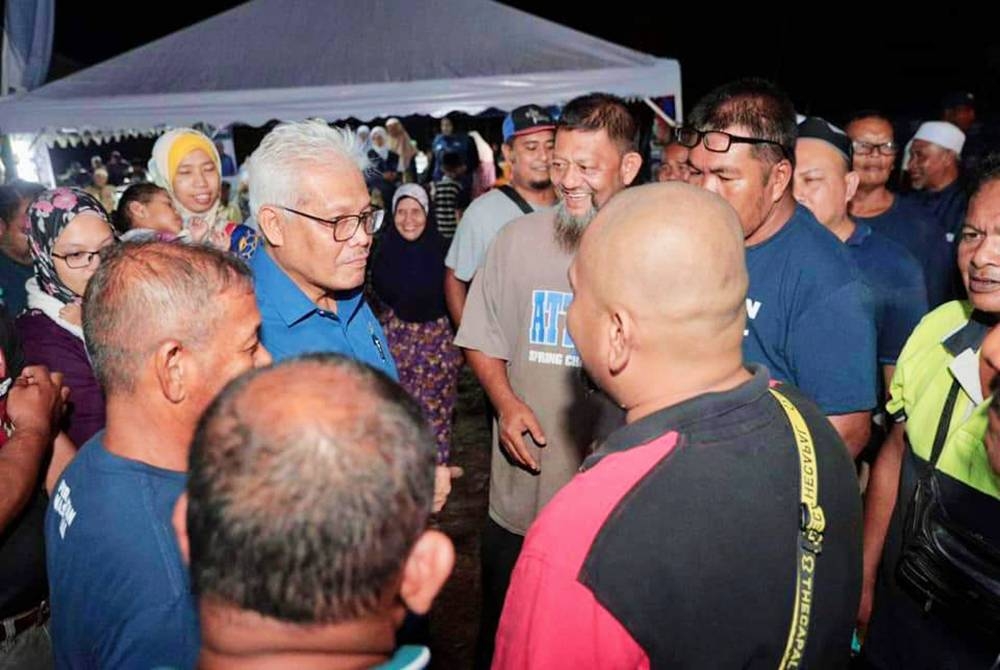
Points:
(570, 228)
(540, 185)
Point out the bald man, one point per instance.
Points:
(678, 544)
(825, 182)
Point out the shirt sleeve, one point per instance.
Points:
(464, 254)
(482, 326)
(551, 621)
(832, 349)
(896, 406)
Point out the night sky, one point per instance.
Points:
(902, 63)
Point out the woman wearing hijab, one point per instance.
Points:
(383, 174)
(408, 277)
(186, 163)
(68, 229)
(403, 146)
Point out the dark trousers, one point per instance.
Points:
(498, 553)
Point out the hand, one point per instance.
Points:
(516, 419)
(73, 313)
(219, 239)
(198, 228)
(443, 475)
(36, 400)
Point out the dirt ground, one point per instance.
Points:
(455, 617)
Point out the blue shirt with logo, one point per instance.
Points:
(809, 316)
(120, 592)
(292, 324)
(897, 288)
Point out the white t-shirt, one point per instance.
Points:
(481, 222)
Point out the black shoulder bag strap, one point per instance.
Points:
(944, 423)
(512, 193)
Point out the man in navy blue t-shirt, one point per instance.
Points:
(167, 326)
(873, 152)
(809, 317)
(825, 182)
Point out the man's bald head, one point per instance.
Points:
(319, 458)
(668, 259)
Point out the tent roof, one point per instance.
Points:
(292, 59)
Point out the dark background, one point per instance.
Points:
(832, 58)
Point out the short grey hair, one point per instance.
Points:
(144, 293)
(275, 167)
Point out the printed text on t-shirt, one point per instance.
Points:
(548, 328)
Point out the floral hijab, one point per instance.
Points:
(48, 216)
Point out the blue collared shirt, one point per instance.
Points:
(292, 324)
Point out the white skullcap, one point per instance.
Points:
(943, 134)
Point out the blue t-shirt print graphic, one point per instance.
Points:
(753, 309)
(548, 329)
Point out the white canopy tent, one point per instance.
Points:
(294, 59)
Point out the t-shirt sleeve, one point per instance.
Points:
(550, 621)
(832, 350)
(465, 253)
(896, 406)
(482, 326)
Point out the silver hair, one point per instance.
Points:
(274, 169)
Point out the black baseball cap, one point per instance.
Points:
(526, 119)
(816, 128)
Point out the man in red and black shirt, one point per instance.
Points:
(678, 544)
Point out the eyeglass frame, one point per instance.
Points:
(875, 148)
(733, 139)
(90, 256)
(377, 215)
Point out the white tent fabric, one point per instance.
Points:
(295, 59)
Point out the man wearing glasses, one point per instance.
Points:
(313, 210)
(898, 218)
(808, 316)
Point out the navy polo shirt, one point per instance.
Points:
(292, 324)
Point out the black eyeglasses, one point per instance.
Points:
(718, 141)
(868, 148)
(82, 259)
(345, 226)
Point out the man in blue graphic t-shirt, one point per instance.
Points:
(119, 588)
(809, 316)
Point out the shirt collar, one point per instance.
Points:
(861, 233)
(677, 417)
(963, 344)
(288, 300)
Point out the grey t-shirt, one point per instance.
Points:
(516, 311)
(480, 224)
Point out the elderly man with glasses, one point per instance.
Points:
(899, 218)
(810, 319)
(308, 193)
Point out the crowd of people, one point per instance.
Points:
(741, 418)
